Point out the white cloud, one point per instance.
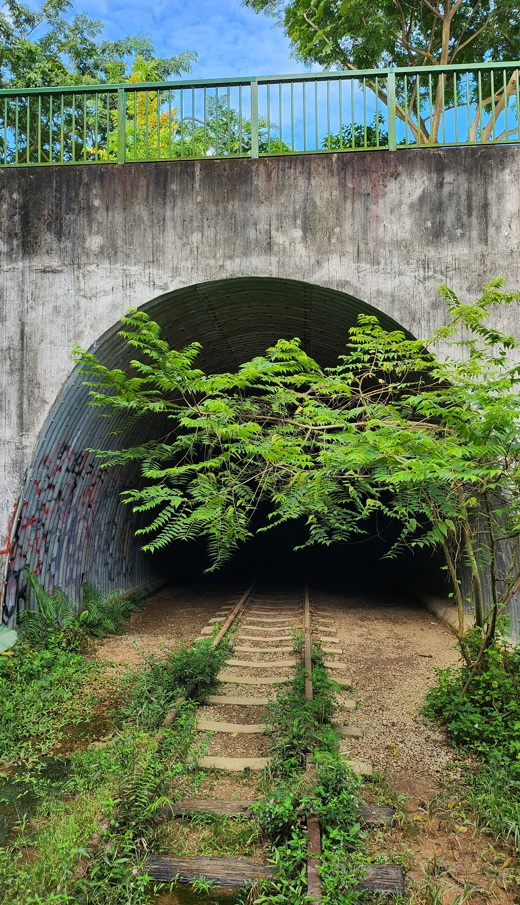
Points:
(230, 40)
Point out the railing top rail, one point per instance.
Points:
(328, 75)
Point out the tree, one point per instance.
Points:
(430, 445)
(351, 34)
(46, 46)
(223, 132)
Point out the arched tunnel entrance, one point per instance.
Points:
(71, 527)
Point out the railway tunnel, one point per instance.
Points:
(71, 526)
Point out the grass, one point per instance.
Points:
(96, 822)
(43, 692)
(214, 835)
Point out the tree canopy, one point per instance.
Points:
(430, 445)
(47, 46)
(351, 34)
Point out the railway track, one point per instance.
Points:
(265, 623)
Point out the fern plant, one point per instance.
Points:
(56, 621)
(52, 623)
(104, 613)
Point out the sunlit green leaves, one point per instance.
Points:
(429, 445)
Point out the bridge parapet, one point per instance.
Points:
(380, 109)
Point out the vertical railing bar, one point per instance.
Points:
(292, 117)
(28, 131)
(517, 105)
(121, 124)
(5, 130)
(328, 114)
(392, 131)
(280, 108)
(16, 132)
(492, 73)
(443, 99)
(217, 118)
(147, 124)
(493, 118)
(268, 118)
(181, 111)
(316, 116)
(194, 123)
(468, 109)
(255, 143)
(240, 123)
(73, 128)
(418, 107)
(51, 148)
(170, 144)
(228, 94)
(479, 127)
(506, 103)
(365, 115)
(376, 115)
(39, 131)
(456, 108)
(430, 101)
(352, 116)
(134, 134)
(182, 124)
(62, 129)
(304, 95)
(205, 113)
(85, 99)
(158, 124)
(340, 100)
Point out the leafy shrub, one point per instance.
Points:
(486, 718)
(8, 638)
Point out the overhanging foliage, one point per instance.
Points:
(429, 444)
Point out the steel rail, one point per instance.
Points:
(235, 612)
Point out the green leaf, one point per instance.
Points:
(8, 638)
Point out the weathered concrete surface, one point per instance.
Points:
(80, 245)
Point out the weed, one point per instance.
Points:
(188, 672)
(486, 718)
(43, 692)
(202, 885)
(300, 726)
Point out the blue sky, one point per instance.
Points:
(230, 40)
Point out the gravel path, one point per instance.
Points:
(392, 649)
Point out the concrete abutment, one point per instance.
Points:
(234, 254)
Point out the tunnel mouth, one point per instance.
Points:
(358, 570)
(71, 526)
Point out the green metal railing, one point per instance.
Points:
(257, 117)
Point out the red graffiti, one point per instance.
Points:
(7, 548)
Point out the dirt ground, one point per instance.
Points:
(391, 649)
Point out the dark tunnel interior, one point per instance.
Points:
(71, 525)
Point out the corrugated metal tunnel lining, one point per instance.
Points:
(71, 527)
